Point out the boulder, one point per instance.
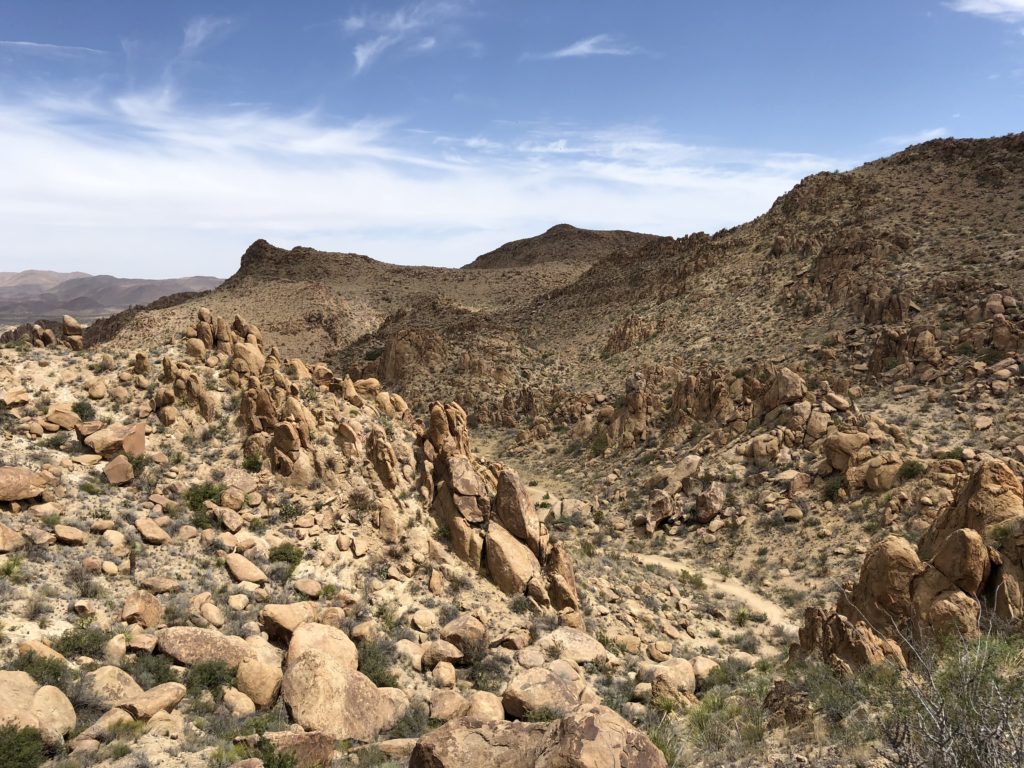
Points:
(119, 471)
(142, 608)
(190, 645)
(242, 569)
(108, 685)
(343, 703)
(333, 642)
(511, 563)
(589, 737)
(20, 484)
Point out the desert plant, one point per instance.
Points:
(81, 640)
(376, 658)
(21, 747)
(199, 493)
(212, 676)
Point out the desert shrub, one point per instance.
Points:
(961, 707)
(911, 468)
(151, 669)
(21, 747)
(832, 487)
(252, 463)
(413, 724)
(54, 441)
(543, 715)
(376, 659)
(287, 553)
(81, 640)
(199, 493)
(201, 518)
(490, 672)
(43, 670)
(84, 409)
(212, 676)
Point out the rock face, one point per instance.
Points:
(589, 737)
(324, 696)
(19, 483)
(969, 557)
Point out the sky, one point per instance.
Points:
(147, 139)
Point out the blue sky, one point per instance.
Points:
(159, 139)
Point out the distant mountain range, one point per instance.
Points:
(39, 294)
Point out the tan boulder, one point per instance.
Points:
(53, 710)
(119, 471)
(242, 569)
(109, 685)
(163, 697)
(260, 680)
(573, 644)
(20, 484)
(70, 536)
(882, 595)
(150, 532)
(964, 559)
(190, 645)
(331, 641)
(843, 449)
(279, 620)
(324, 696)
(109, 441)
(142, 608)
(516, 514)
(510, 562)
(992, 496)
(466, 632)
(540, 689)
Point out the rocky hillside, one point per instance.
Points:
(563, 242)
(718, 500)
(39, 295)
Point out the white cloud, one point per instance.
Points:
(199, 30)
(598, 45)
(138, 185)
(1006, 10)
(49, 49)
(906, 139)
(415, 28)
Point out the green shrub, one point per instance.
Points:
(286, 553)
(252, 463)
(201, 518)
(43, 670)
(151, 669)
(54, 441)
(199, 493)
(81, 640)
(376, 657)
(832, 487)
(212, 676)
(84, 409)
(912, 468)
(21, 747)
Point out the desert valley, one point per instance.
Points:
(595, 499)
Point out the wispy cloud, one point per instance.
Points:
(199, 30)
(49, 49)
(142, 172)
(1004, 10)
(415, 28)
(598, 45)
(906, 139)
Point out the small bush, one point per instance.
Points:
(21, 747)
(150, 669)
(43, 670)
(55, 441)
(81, 640)
(200, 493)
(376, 657)
(84, 409)
(212, 676)
(252, 463)
(287, 553)
(911, 468)
(832, 487)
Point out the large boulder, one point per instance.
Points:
(992, 496)
(109, 685)
(117, 438)
(333, 642)
(19, 483)
(511, 563)
(516, 514)
(882, 595)
(190, 645)
(322, 695)
(589, 737)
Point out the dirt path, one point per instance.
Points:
(776, 614)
